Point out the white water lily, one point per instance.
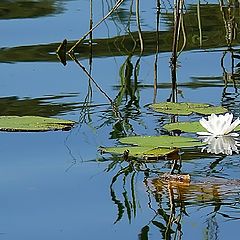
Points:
(224, 144)
(220, 125)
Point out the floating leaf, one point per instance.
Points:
(161, 141)
(185, 127)
(188, 127)
(139, 151)
(211, 109)
(152, 147)
(186, 108)
(33, 124)
(132, 151)
(155, 152)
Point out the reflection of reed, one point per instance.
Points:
(129, 85)
(127, 200)
(174, 197)
(178, 25)
(115, 7)
(88, 98)
(230, 25)
(211, 191)
(199, 24)
(228, 12)
(157, 51)
(91, 78)
(168, 220)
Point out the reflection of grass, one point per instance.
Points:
(169, 200)
(212, 29)
(27, 9)
(45, 106)
(127, 199)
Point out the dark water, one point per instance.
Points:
(56, 185)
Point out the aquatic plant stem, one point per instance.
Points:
(199, 24)
(90, 37)
(115, 110)
(91, 78)
(88, 96)
(173, 61)
(156, 55)
(183, 34)
(139, 27)
(116, 6)
(136, 67)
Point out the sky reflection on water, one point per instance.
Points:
(56, 185)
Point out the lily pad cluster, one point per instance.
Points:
(187, 108)
(152, 146)
(159, 146)
(33, 124)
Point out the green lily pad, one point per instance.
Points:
(186, 108)
(152, 147)
(161, 141)
(188, 127)
(33, 124)
(138, 151)
(185, 127)
(211, 109)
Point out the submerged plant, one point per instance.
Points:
(221, 125)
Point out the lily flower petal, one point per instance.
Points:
(204, 133)
(205, 124)
(219, 125)
(226, 122)
(233, 126)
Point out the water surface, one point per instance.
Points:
(55, 185)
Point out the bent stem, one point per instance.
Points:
(115, 7)
(91, 78)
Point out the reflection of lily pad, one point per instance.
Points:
(188, 127)
(139, 151)
(161, 141)
(186, 108)
(33, 124)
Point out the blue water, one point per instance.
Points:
(54, 185)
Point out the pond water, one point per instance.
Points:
(57, 185)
